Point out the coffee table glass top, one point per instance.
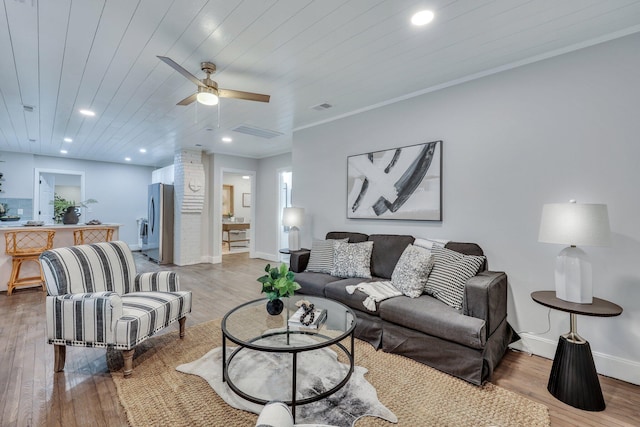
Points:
(251, 326)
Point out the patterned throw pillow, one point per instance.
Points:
(352, 259)
(412, 270)
(321, 257)
(450, 274)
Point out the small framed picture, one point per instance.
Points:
(246, 200)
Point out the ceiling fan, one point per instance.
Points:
(208, 92)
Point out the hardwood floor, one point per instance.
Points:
(32, 394)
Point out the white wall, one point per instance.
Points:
(121, 190)
(558, 129)
(15, 168)
(267, 205)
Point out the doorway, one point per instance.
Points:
(237, 212)
(48, 183)
(285, 182)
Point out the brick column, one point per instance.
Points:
(189, 186)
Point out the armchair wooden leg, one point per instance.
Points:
(59, 356)
(127, 355)
(182, 323)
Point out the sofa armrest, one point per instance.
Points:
(86, 317)
(298, 260)
(485, 297)
(163, 281)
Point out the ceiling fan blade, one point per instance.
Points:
(238, 94)
(173, 64)
(188, 100)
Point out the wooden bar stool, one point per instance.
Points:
(84, 236)
(25, 246)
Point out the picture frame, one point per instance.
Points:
(246, 200)
(403, 183)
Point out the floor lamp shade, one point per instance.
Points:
(292, 218)
(574, 225)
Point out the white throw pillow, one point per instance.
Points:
(352, 259)
(412, 271)
(450, 273)
(321, 257)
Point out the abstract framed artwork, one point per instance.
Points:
(401, 183)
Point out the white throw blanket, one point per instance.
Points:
(377, 291)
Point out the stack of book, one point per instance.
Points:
(320, 315)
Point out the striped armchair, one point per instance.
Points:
(96, 299)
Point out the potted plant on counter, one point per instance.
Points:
(65, 211)
(277, 283)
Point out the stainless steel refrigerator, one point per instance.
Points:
(159, 245)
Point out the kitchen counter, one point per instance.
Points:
(63, 237)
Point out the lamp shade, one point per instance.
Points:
(292, 217)
(576, 224)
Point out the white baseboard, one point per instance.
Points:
(210, 259)
(135, 247)
(611, 366)
(267, 256)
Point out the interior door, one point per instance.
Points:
(47, 191)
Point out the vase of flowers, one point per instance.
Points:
(278, 282)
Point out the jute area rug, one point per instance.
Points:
(157, 394)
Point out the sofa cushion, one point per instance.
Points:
(313, 283)
(450, 274)
(352, 259)
(387, 249)
(337, 291)
(412, 270)
(321, 257)
(145, 313)
(430, 316)
(353, 237)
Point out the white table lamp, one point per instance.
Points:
(575, 225)
(292, 218)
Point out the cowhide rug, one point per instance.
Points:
(268, 376)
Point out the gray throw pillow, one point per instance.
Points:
(321, 256)
(412, 271)
(449, 275)
(352, 259)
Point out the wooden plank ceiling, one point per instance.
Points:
(57, 57)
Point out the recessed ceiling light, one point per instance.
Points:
(127, 159)
(143, 150)
(226, 139)
(63, 151)
(246, 177)
(422, 18)
(68, 140)
(87, 113)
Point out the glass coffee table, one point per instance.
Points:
(253, 329)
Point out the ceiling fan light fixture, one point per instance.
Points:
(207, 96)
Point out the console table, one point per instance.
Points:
(229, 226)
(573, 378)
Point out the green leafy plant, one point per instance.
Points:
(60, 206)
(278, 282)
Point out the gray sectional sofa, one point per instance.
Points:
(467, 343)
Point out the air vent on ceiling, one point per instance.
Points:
(28, 108)
(252, 130)
(321, 107)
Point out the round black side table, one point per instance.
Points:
(573, 378)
